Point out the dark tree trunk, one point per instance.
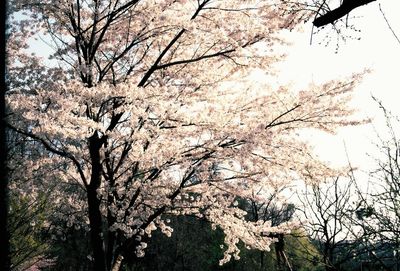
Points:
(279, 248)
(110, 252)
(96, 234)
(4, 234)
(95, 219)
(261, 260)
(328, 259)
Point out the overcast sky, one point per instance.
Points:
(376, 49)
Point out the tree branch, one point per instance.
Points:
(51, 149)
(331, 16)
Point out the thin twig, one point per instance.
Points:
(388, 24)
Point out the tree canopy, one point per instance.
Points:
(149, 109)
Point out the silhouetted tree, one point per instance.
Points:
(328, 208)
(379, 207)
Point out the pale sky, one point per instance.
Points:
(378, 50)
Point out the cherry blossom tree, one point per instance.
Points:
(149, 108)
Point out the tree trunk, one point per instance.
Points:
(4, 234)
(95, 219)
(110, 249)
(96, 234)
(118, 262)
(330, 266)
(279, 248)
